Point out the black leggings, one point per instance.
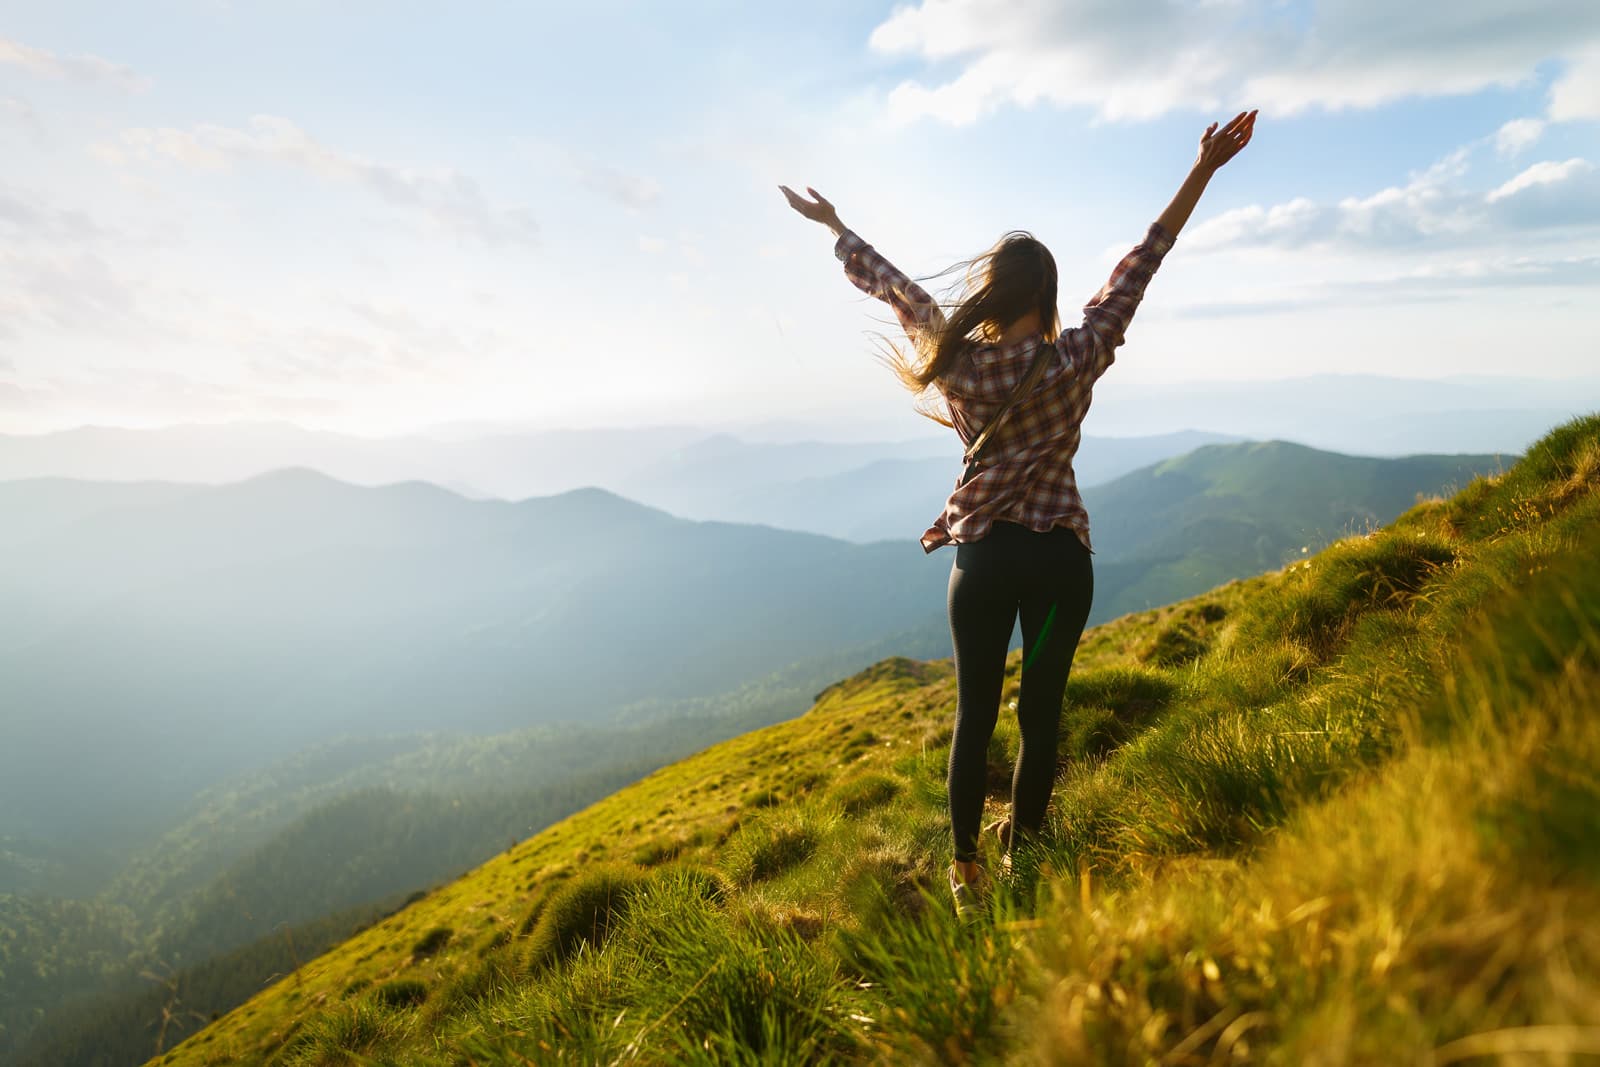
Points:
(1048, 578)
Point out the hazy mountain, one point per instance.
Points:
(1358, 414)
(860, 491)
(508, 465)
(190, 634)
(738, 471)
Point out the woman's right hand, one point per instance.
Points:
(1219, 146)
(1216, 148)
(820, 211)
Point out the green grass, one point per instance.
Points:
(431, 942)
(401, 993)
(582, 912)
(1348, 812)
(865, 792)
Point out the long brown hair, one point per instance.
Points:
(1016, 276)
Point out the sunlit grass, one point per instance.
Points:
(1344, 813)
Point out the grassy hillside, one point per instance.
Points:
(352, 827)
(1345, 812)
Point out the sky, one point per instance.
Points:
(375, 217)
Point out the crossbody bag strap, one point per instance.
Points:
(1027, 383)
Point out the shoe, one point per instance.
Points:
(967, 895)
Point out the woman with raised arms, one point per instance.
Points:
(996, 367)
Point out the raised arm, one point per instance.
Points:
(869, 271)
(1108, 312)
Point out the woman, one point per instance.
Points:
(1016, 519)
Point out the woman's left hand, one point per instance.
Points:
(819, 211)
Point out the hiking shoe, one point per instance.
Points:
(968, 895)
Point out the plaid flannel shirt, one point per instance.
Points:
(1026, 473)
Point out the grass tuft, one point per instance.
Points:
(401, 993)
(432, 942)
(865, 792)
(765, 848)
(582, 912)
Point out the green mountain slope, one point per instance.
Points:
(1187, 524)
(351, 825)
(1343, 812)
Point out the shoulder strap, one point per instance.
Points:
(1027, 383)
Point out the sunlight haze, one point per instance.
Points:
(567, 215)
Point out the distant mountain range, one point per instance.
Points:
(204, 631)
(194, 632)
(861, 479)
(1357, 414)
(863, 491)
(884, 499)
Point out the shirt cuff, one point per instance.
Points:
(1159, 239)
(847, 245)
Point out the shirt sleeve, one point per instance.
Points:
(876, 276)
(1092, 346)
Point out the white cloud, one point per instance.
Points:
(16, 110)
(27, 218)
(76, 290)
(1549, 195)
(1496, 271)
(1517, 135)
(124, 395)
(1432, 211)
(1446, 281)
(1293, 221)
(635, 191)
(449, 198)
(1428, 208)
(652, 245)
(81, 68)
(1546, 173)
(1130, 61)
(1576, 94)
(54, 296)
(59, 273)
